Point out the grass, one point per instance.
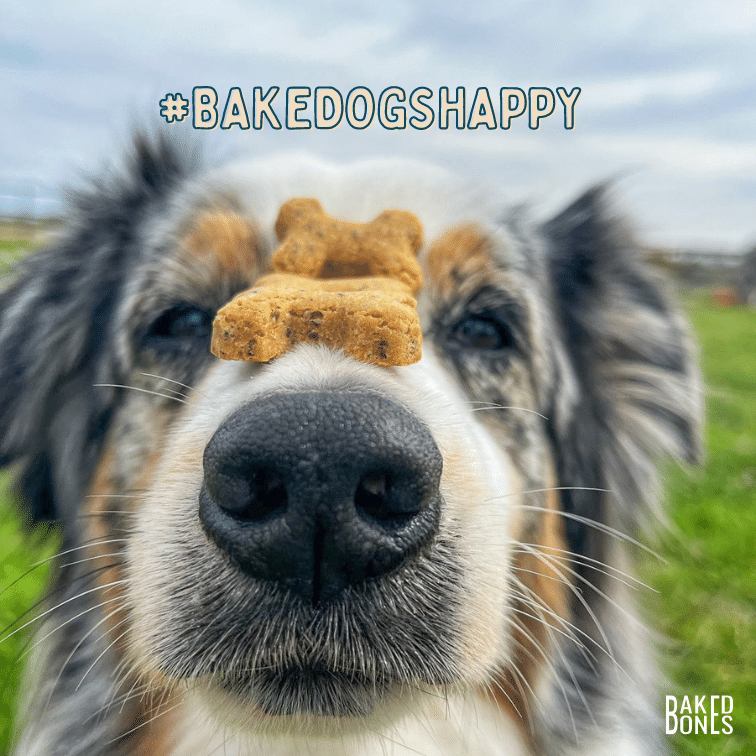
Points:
(706, 603)
(10, 251)
(20, 586)
(20, 589)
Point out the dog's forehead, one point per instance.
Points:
(359, 192)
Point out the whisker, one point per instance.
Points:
(137, 692)
(600, 526)
(570, 632)
(107, 648)
(143, 390)
(530, 598)
(64, 666)
(551, 666)
(493, 405)
(550, 488)
(521, 680)
(489, 687)
(178, 383)
(61, 625)
(607, 648)
(579, 596)
(590, 563)
(123, 736)
(549, 560)
(386, 739)
(60, 604)
(138, 689)
(81, 580)
(57, 555)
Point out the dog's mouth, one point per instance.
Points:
(314, 691)
(349, 660)
(254, 649)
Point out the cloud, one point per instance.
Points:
(682, 156)
(636, 91)
(667, 87)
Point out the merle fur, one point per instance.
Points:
(624, 347)
(56, 329)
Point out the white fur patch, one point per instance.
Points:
(450, 727)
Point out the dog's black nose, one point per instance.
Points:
(320, 490)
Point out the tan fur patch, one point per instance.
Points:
(226, 237)
(461, 252)
(145, 714)
(546, 581)
(108, 562)
(157, 726)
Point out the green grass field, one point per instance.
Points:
(10, 251)
(706, 583)
(706, 602)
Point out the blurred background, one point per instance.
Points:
(667, 103)
(668, 92)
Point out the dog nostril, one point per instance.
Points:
(294, 498)
(253, 495)
(373, 500)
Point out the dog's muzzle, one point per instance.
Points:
(319, 491)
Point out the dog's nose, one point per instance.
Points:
(319, 491)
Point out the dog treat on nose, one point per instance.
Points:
(345, 285)
(372, 319)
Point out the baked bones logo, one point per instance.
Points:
(326, 108)
(699, 715)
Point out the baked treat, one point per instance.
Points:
(346, 285)
(372, 319)
(315, 244)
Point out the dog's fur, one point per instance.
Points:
(555, 373)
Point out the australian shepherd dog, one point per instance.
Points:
(322, 556)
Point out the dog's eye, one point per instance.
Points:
(183, 322)
(483, 332)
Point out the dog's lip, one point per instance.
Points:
(295, 690)
(306, 673)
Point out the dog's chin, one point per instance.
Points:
(306, 701)
(309, 691)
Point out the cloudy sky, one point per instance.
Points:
(667, 102)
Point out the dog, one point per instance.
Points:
(318, 555)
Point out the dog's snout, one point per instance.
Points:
(318, 490)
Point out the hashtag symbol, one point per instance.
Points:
(174, 107)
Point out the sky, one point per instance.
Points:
(667, 102)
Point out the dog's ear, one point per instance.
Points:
(55, 320)
(629, 368)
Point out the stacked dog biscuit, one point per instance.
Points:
(346, 285)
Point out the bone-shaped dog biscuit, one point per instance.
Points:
(371, 319)
(345, 285)
(315, 244)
